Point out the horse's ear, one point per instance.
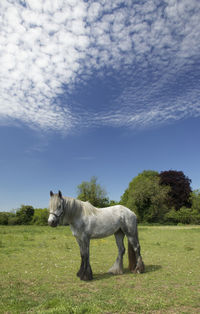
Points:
(51, 193)
(59, 194)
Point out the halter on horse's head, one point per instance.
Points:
(56, 208)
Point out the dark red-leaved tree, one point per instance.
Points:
(179, 194)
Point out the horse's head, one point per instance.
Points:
(56, 208)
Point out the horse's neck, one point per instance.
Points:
(72, 208)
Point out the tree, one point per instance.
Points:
(93, 192)
(24, 214)
(180, 190)
(125, 197)
(113, 203)
(146, 197)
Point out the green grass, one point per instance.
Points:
(38, 268)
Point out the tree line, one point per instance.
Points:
(25, 215)
(165, 198)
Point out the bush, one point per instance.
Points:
(195, 217)
(183, 216)
(13, 220)
(25, 214)
(5, 217)
(40, 217)
(195, 199)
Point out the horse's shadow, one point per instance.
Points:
(152, 268)
(148, 269)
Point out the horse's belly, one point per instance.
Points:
(102, 231)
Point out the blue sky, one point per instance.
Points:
(104, 88)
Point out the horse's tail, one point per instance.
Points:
(131, 257)
(131, 252)
(136, 264)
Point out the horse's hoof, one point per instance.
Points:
(115, 272)
(139, 269)
(79, 273)
(86, 276)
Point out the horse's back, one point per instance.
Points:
(109, 220)
(122, 211)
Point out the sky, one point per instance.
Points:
(96, 88)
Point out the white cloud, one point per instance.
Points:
(45, 45)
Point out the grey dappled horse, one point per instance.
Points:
(88, 222)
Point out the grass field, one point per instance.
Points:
(38, 268)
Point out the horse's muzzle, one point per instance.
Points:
(53, 221)
(52, 224)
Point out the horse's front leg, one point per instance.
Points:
(79, 273)
(85, 271)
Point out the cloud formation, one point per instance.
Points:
(50, 49)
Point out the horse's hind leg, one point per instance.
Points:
(134, 245)
(117, 268)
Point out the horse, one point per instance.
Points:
(88, 222)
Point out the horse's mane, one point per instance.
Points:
(79, 207)
(89, 209)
